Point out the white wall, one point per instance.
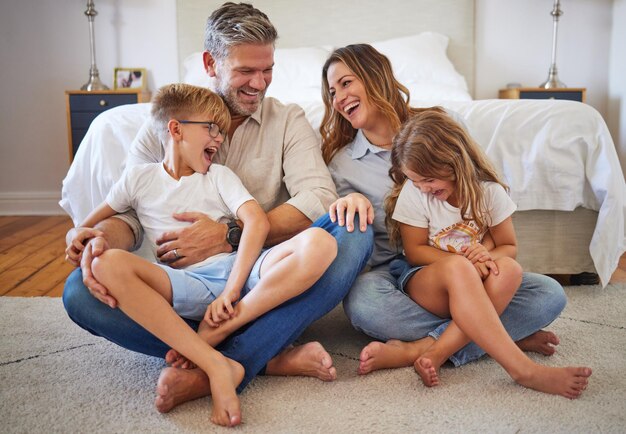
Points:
(514, 44)
(44, 45)
(616, 118)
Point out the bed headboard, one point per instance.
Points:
(305, 23)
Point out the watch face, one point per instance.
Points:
(234, 235)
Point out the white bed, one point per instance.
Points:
(557, 156)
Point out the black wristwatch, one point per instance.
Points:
(233, 236)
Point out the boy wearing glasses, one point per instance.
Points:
(191, 121)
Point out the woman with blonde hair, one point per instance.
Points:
(364, 108)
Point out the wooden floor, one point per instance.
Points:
(32, 256)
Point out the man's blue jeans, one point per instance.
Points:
(256, 343)
(379, 309)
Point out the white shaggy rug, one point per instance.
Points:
(55, 377)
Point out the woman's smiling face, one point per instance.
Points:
(349, 97)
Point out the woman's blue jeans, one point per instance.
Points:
(258, 342)
(379, 309)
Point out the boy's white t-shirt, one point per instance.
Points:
(446, 229)
(156, 196)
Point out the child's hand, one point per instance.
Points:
(76, 239)
(476, 253)
(221, 309)
(486, 268)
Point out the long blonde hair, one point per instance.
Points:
(433, 145)
(386, 93)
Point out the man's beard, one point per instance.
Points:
(236, 107)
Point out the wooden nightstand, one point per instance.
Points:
(569, 93)
(83, 107)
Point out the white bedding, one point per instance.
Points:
(554, 155)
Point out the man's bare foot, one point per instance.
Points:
(177, 360)
(427, 371)
(177, 386)
(568, 382)
(391, 354)
(309, 360)
(542, 342)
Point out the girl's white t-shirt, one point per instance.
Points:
(446, 229)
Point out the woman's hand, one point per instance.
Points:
(344, 209)
(194, 243)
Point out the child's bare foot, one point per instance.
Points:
(177, 360)
(542, 342)
(225, 375)
(177, 386)
(309, 360)
(391, 354)
(568, 382)
(427, 371)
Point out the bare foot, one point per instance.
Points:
(309, 360)
(427, 371)
(568, 382)
(176, 386)
(177, 360)
(541, 342)
(391, 354)
(224, 376)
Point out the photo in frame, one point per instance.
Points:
(130, 78)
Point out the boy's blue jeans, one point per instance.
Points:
(379, 309)
(256, 343)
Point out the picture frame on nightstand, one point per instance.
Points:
(130, 78)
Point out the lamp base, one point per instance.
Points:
(94, 83)
(553, 81)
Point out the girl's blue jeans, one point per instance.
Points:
(379, 309)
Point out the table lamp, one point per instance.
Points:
(94, 82)
(553, 77)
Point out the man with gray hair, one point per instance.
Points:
(275, 152)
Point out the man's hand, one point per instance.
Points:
(75, 240)
(93, 249)
(344, 209)
(194, 243)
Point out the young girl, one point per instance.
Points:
(365, 107)
(446, 198)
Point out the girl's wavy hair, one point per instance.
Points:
(433, 145)
(384, 92)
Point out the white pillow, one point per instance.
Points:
(419, 62)
(297, 75)
(194, 70)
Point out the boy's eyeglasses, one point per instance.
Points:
(214, 129)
